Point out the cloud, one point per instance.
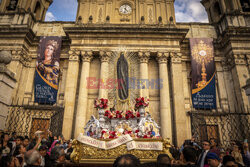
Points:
(50, 17)
(190, 11)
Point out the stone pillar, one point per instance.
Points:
(7, 84)
(240, 74)
(144, 87)
(70, 93)
(181, 117)
(165, 110)
(104, 56)
(83, 94)
(221, 87)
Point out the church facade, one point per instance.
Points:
(155, 46)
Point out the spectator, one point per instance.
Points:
(57, 156)
(19, 140)
(26, 141)
(32, 158)
(213, 160)
(236, 153)
(202, 158)
(163, 159)
(188, 156)
(19, 153)
(229, 161)
(9, 161)
(214, 146)
(35, 143)
(5, 145)
(246, 153)
(127, 160)
(68, 150)
(44, 156)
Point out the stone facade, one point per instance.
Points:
(154, 45)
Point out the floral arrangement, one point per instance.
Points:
(101, 103)
(141, 102)
(120, 114)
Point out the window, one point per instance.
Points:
(245, 4)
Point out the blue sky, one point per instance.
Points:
(185, 11)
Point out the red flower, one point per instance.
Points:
(110, 116)
(103, 131)
(137, 131)
(138, 114)
(145, 136)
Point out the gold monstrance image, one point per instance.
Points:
(202, 54)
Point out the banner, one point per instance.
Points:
(125, 139)
(203, 73)
(47, 70)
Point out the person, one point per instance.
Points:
(49, 67)
(213, 160)
(19, 153)
(68, 150)
(44, 156)
(236, 153)
(163, 159)
(127, 160)
(214, 148)
(246, 153)
(26, 141)
(202, 158)
(36, 142)
(32, 158)
(57, 156)
(5, 145)
(229, 161)
(188, 156)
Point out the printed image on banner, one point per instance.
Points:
(203, 73)
(47, 70)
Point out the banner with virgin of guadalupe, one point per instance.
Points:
(203, 73)
(47, 70)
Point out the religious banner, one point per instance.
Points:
(124, 139)
(47, 70)
(203, 73)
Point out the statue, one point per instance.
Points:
(122, 76)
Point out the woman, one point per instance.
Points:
(49, 67)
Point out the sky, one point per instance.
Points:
(185, 11)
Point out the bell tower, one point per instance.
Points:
(37, 7)
(216, 9)
(126, 11)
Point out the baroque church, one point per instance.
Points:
(156, 48)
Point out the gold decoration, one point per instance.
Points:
(87, 154)
(202, 54)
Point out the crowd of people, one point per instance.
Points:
(41, 150)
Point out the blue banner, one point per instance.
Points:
(47, 70)
(203, 73)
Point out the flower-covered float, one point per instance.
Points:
(120, 132)
(112, 124)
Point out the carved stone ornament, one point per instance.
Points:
(162, 57)
(175, 57)
(84, 153)
(105, 56)
(5, 57)
(144, 57)
(86, 56)
(74, 55)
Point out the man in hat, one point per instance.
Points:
(213, 160)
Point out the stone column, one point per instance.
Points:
(104, 56)
(7, 84)
(181, 117)
(70, 93)
(144, 87)
(165, 110)
(221, 86)
(83, 94)
(240, 74)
